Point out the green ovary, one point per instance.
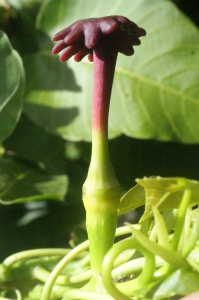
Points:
(101, 221)
(101, 197)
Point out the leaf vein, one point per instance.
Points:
(161, 54)
(169, 117)
(186, 118)
(154, 83)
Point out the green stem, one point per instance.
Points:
(27, 254)
(18, 294)
(43, 275)
(46, 293)
(134, 266)
(181, 218)
(6, 272)
(101, 225)
(160, 225)
(192, 238)
(126, 288)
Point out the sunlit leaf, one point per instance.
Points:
(155, 92)
(21, 183)
(166, 193)
(146, 292)
(11, 87)
(53, 81)
(182, 282)
(193, 258)
(134, 198)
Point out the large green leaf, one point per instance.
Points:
(47, 104)
(22, 183)
(11, 87)
(155, 92)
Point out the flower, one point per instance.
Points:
(116, 33)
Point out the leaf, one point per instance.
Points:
(21, 25)
(11, 87)
(166, 193)
(193, 258)
(21, 183)
(51, 89)
(155, 92)
(32, 143)
(147, 291)
(52, 103)
(181, 282)
(134, 198)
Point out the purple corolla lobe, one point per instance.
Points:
(113, 33)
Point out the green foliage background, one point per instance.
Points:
(45, 121)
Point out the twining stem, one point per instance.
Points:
(161, 228)
(48, 286)
(101, 191)
(28, 254)
(125, 289)
(192, 238)
(181, 218)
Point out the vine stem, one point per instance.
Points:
(46, 292)
(125, 289)
(43, 275)
(161, 228)
(12, 259)
(181, 218)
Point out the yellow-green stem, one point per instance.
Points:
(101, 196)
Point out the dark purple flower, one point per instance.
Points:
(116, 33)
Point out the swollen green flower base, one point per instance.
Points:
(101, 197)
(158, 259)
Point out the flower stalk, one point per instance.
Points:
(101, 191)
(101, 39)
